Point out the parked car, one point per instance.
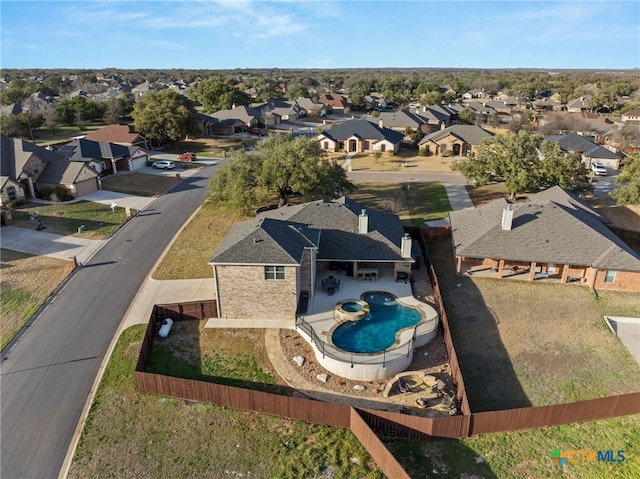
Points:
(599, 169)
(188, 156)
(256, 132)
(164, 164)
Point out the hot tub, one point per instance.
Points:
(351, 309)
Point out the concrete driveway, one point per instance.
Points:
(41, 243)
(121, 200)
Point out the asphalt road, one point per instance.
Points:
(47, 374)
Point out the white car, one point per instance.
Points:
(164, 164)
(598, 169)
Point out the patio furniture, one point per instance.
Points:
(330, 285)
(402, 275)
(367, 274)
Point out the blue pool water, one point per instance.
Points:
(377, 331)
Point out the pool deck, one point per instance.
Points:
(320, 313)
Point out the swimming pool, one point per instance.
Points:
(377, 330)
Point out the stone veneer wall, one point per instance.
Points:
(305, 270)
(244, 293)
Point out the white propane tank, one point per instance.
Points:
(165, 328)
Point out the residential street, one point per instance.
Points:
(49, 373)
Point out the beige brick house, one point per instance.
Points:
(266, 265)
(457, 139)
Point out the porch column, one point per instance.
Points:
(113, 166)
(532, 271)
(565, 273)
(500, 267)
(30, 189)
(459, 265)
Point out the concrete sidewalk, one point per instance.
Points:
(154, 292)
(458, 197)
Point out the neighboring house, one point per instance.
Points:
(285, 111)
(579, 104)
(120, 134)
(264, 265)
(631, 116)
(475, 93)
(212, 126)
(555, 237)
(546, 104)
(360, 136)
(589, 151)
(400, 120)
(312, 108)
(251, 117)
(336, 102)
(459, 139)
(27, 168)
(105, 157)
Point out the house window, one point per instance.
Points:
(11, 193)
(326, 145)
(34, 167)
(609, 276)
(274, 272)
(383, 148)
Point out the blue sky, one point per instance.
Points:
(603, 34)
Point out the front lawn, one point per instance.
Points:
(65, 219)
(27, 282)
(139, 184)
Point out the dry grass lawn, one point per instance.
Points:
(27, 281)
(140, 184)
(625, 217)
(188, 255)
(403, 161)
(524, 344)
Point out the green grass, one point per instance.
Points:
(414, 203)
(129, 434)
(526, 454)
(99, 220)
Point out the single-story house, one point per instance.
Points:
(105, 157)
(26, 168)
(400, 120)
(212, 126)
(336, 102)
(312, 108)
(250, 117)
(120, 134)
(265, 265)
(556, 236)
(589, 151)
(459, 139)
(283, 110)
(360, 136)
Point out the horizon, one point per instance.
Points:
(312, 34)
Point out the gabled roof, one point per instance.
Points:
(470, 134)
(83, 149)
(63, 172)
(401, 119)
(15, 153)
(334, 100)
(243, 113)
(580, 144)
(280, 236)
(123, 134)
(554, 227)
(362, 129)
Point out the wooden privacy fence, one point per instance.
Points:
(630, 237)
(368, 424)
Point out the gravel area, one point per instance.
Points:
(431, 359)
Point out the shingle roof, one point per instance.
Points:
(115, 134)
(15, 153)
(330, 226)
(401, 119)
(62, 172)
(83, 149)
(554, 227)
(470, 134)
(362, 129)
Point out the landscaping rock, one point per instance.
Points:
(299, 360)
(440, 384)
(358, 387)
(322, 378)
